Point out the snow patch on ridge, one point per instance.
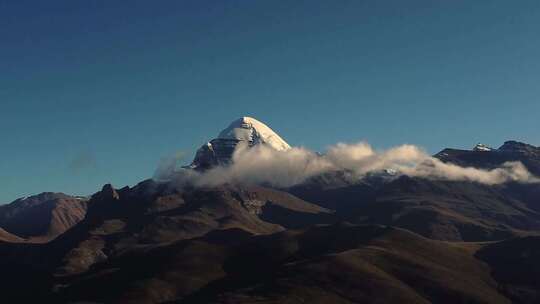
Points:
(482, 148)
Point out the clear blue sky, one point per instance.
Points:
(93, 92)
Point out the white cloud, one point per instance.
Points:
(261, 164)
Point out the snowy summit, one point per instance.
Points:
(246, 130)
(254, 132)
(482, 148)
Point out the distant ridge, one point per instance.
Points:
(43, 216)
(489, 158)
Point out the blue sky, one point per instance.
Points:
(93, 92)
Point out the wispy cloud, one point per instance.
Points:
(168, 164)
(83, 162)
(261, 164)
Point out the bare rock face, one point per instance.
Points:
(42, 216)
(107, 193)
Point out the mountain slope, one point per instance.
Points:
(157, 242)
(43, 216)
(515, 264)
(327, 264)
(444, 210)
(153, 213)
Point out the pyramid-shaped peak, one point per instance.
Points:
(253, 131)
(246, 130)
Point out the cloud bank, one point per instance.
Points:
(264, 165)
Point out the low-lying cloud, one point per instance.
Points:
(264, 165)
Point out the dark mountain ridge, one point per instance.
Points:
(511, 150)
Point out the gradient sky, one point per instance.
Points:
(93, 92)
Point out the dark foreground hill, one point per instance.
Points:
(515, 265)
(339, 263)
(152, 213)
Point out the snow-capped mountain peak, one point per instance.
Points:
(253, 131)
(247, 130)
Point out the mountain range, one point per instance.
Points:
(335, 237)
